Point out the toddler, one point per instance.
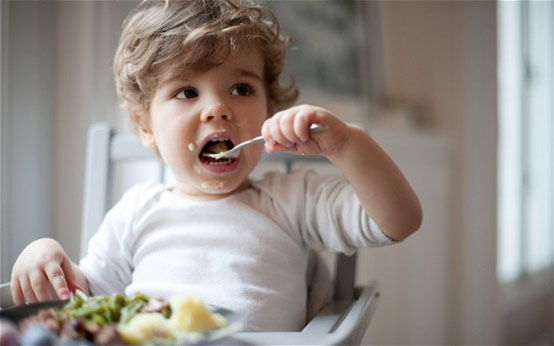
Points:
(201, 76)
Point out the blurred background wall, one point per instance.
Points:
(427, 90)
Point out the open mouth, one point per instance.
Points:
(216, 146)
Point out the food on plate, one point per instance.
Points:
(189, 316)
(116, 319)
(145, 326)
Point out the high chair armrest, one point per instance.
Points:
(342, 322)
(5, 295)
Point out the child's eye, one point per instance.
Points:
(186, 93)
(242, 90)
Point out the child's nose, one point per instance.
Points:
(216, 112)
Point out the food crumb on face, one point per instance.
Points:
(191, 146)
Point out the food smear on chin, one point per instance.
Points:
(212, 187)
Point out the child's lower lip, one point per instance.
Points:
(219, 169)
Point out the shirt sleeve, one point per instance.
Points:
(325, 212)
(108, 263)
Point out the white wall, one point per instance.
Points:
(439, 286)
(413, 275)
(86, 37)
(27, 114)
(441, 57)
(4, 267)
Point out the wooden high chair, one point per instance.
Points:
(344, 319)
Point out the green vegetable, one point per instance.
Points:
(103, 310)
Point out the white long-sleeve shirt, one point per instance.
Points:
(246, 252)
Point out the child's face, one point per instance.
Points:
(226, 102)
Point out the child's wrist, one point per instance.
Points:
(350, 134)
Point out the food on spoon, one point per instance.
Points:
(216, 146)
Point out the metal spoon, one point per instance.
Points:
(235, 151)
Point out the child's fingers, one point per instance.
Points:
(301, 128)
(70, 278)
(56, 277)
(17, 294)
(274, 134)
(39, 283)
(27, 289)
(278, 136)
(74, 286)
(286, 125)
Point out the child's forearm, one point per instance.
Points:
(384, 193)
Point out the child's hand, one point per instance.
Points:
(379, 184)
(288, 130)
(40, 263)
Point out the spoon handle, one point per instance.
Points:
(313, 129)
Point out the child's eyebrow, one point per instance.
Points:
(171, 80)
(238, 73)
(248, 73)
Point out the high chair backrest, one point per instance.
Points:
(343, 321)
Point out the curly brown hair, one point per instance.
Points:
(194, 35)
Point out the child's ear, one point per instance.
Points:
(147, 137)
(145, 131)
